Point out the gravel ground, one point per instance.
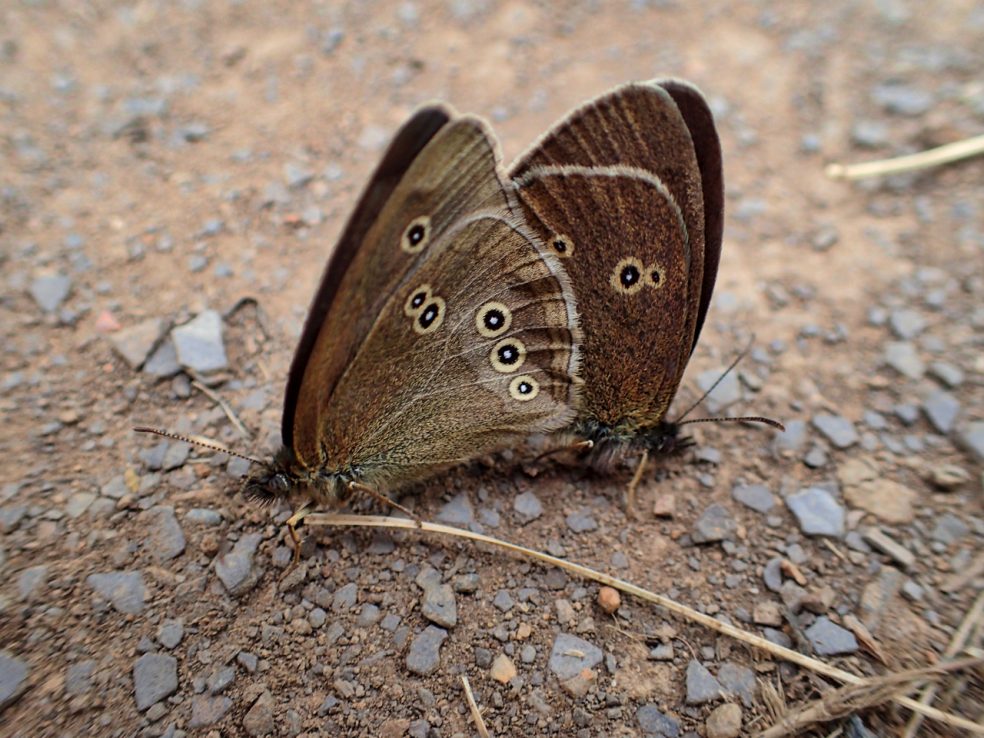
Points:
(162, 162)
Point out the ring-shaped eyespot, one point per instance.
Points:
(655, 275)
(416, 301)
(627, 276)
(562, 245)
(508, 355)
(416, 235)
(523, 388)
(493, 319)
(430, 317)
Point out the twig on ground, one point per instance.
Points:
(473, 706)
(971, 621)
(226, 408)
(923, 160)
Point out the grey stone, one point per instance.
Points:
(739, 681)
(942, 409)
(792, 439)
(581, 521)
(438, 605)
(888, 546)
(318, 617)
(903, 358)
(203, 516)
(702, 687)
(166, 540)
(458, 511)
(207, 710)
(50, 290)
(950, 375)
(370, 614)
(31, 581)
(220, 679)
(503, 600)
(756, 496)
(727, 392)
(155, 676)
(817, 512)
(654, 723)
(235, 568)
(115, 488)
(816, 457)
(345, 598)
(902, 99)
(297, 176)
(78, 678)
(869, 134)
(124, 590)
(528, 506)
(716, 524)
(13, 679)
(949, 529)
(249, 661)
(971, 438)
(906, 412)
(135, 343)
(571, 655)
(175, 456)
(662, 652)
(10, 517)
(199, 343)
(906, 323)
(829, 639)
(170, 633)
(839, 430)
(772, 574)
(424, 654)
(78, 503)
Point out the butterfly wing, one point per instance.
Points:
(475, 345)
(363, 391)
(633, 150)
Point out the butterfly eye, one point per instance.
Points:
(524, 388)
(430, 317)
(493, 319)
(416, 301)
(562, 246)
(654, 276)
(627, 277)
(508, 355)
(416, 236)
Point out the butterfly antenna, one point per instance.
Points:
(742, 419)
(745, 419)
(741, 355)
(196, 442)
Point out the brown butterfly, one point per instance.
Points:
(628, 191)
(442, 329)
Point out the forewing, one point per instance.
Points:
(437, 171)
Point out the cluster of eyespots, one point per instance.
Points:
(492, 320)
(630, 275)
(562, 245)
(426, 309)
(416, 235)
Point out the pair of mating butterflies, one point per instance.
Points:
(464, 308)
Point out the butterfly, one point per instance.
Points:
(628, 192)
(442, 329)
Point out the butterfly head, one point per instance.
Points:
(267, 483)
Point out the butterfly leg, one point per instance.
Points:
(378, 497)
(292, 524)
(636, 478)
(579, 446)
